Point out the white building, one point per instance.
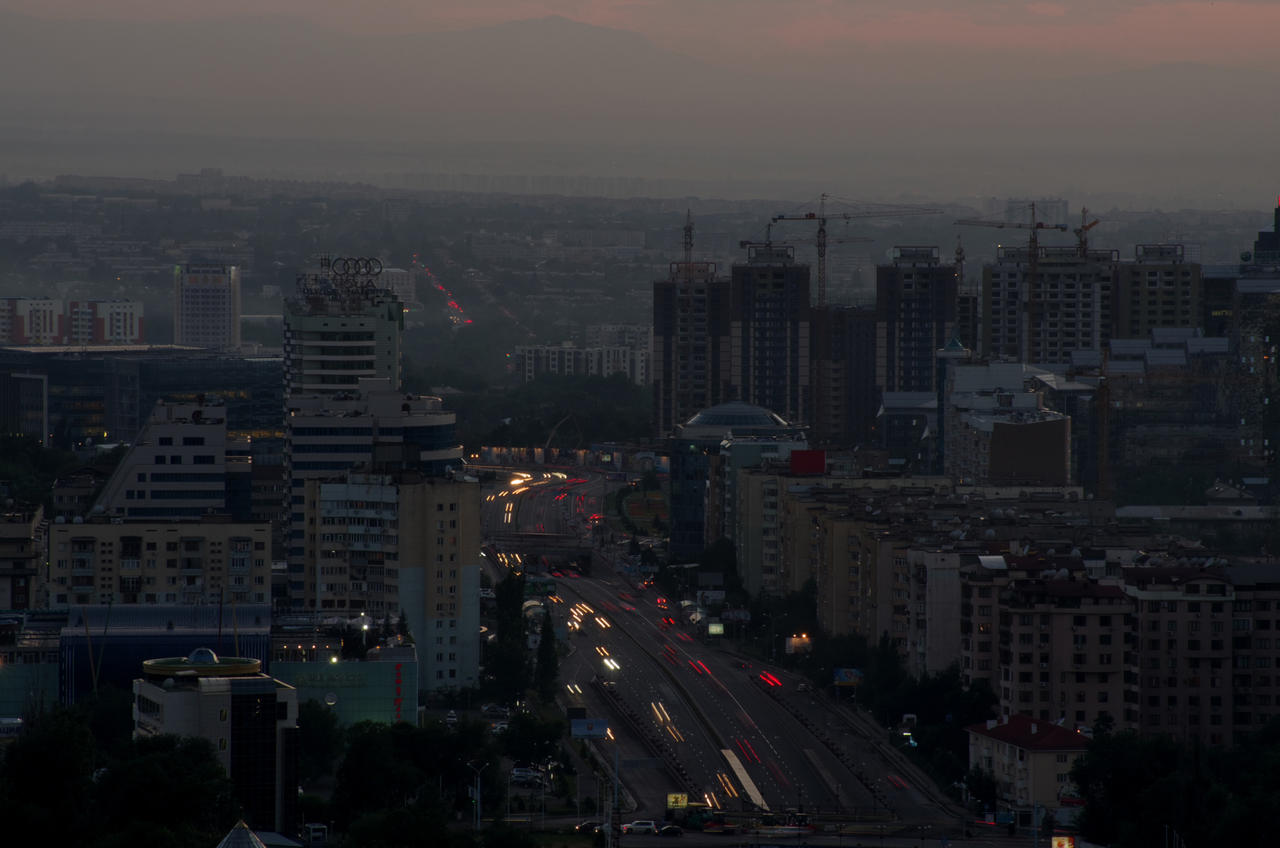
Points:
(206, 306)
(178, 467)
(250, 719)
(336, 334)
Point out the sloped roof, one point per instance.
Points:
(1033, 735)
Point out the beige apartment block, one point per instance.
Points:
(152, 562)
(1031, 760)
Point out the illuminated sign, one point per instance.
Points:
(677, 800)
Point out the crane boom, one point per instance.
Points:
(821, 216)
(1031, 304)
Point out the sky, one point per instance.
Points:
(1079, 34)
(1141, 97)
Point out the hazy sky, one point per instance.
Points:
(1172, 98)
(1063, 35)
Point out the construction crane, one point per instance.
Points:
(1082, 233)
(820, 241)
(1034, 226)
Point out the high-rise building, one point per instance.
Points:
(401, 541)
(769, 331)
(1158, 289)
(250, 718)
(844, 375)
(206, 306)
(1041, 311)
(376, 426)
(915, 318)
(1266, 248)
(689, 358)
(339, 329)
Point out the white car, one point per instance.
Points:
(641, 826)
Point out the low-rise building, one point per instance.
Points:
(1031, 761)
(250, 718)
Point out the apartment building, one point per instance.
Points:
(22, 555)
(1031, 761)
(373, 425)
(1040, 309)
(567, 359)
(386, 543)
(689, 355)
(104, 321)
(181, 466)
(1158, 289)
(206, 561)
(915, 318)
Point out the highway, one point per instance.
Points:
(687, 715)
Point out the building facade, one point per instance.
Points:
(250, 719)
(689, 356)
(206, 306)
(158, 562)
(769, 326)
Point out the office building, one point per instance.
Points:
(915, 318)
(1266, 248)
(206, 306)
(689, 358)
(338, 331)
(769, 331)
(24, 405)
(199, 561)
(250, 719)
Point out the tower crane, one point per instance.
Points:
(1082, 231)
(1034, 226)
(820, 241)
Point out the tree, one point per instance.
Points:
(189, 799)
(547, 670)
(319, 740)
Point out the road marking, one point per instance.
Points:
(748, 785)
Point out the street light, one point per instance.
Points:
(472, 766)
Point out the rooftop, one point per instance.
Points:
(1024, 732)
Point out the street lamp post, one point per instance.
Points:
(478, 771)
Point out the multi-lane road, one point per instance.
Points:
(688, 714)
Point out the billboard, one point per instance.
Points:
(677, 800)
(848, 676)
(589, 728)
(715, 628)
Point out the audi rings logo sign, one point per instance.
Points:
(355, 266)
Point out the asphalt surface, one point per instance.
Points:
(688, 716)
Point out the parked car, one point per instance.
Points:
(590, 827)
(671, 830)
(641, 826)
